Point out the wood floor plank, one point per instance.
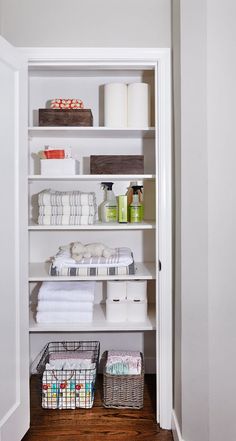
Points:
(98, 423)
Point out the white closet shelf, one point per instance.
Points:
(39, 272)
(145, 225)
(98, 178)
(99, 323)
(91, 132)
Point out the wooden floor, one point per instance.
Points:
(98, 423)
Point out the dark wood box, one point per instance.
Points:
(116, 164)
(65, 117)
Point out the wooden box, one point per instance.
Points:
(65, 117)
(116, 164)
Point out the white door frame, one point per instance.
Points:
(160, 60)
(14, 418)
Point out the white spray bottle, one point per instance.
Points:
(109, 207)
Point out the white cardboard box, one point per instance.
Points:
(59, 167)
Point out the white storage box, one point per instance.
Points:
(136, 289)
(59, 167)
(136, 310)
(116, 289)
(116, 310)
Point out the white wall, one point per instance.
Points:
(194, 227)
(205, 386)
(177, 399)
(0, 17)
(222, 217)
(108, 23)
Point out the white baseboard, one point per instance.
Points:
(175, 427)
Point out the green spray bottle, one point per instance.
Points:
(136, 207)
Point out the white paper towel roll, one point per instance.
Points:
(136, 289)
(138, 105)
(136, 310)
(116, 289)
(116, 311)
(115, 105)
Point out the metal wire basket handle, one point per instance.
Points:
(64, 344)
(68, 379)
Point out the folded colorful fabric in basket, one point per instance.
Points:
(124, 363)
(66, 103)
(69, 389)
(71, 360)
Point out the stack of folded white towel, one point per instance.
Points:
(66, 208)
(65, 302)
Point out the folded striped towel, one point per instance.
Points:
(68, 198)
(73, 210)
(66, 220)
(122, 257)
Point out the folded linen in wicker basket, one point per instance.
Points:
(124, 363)
(69, 364)
(63, 355)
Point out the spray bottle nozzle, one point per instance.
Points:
(137, 188)
(107, 185)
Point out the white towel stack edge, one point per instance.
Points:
(65, 302)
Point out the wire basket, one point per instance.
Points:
(68, 388)
(123, 391)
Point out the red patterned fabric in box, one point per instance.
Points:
(70, 103)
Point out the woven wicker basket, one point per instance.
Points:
(123, 391)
